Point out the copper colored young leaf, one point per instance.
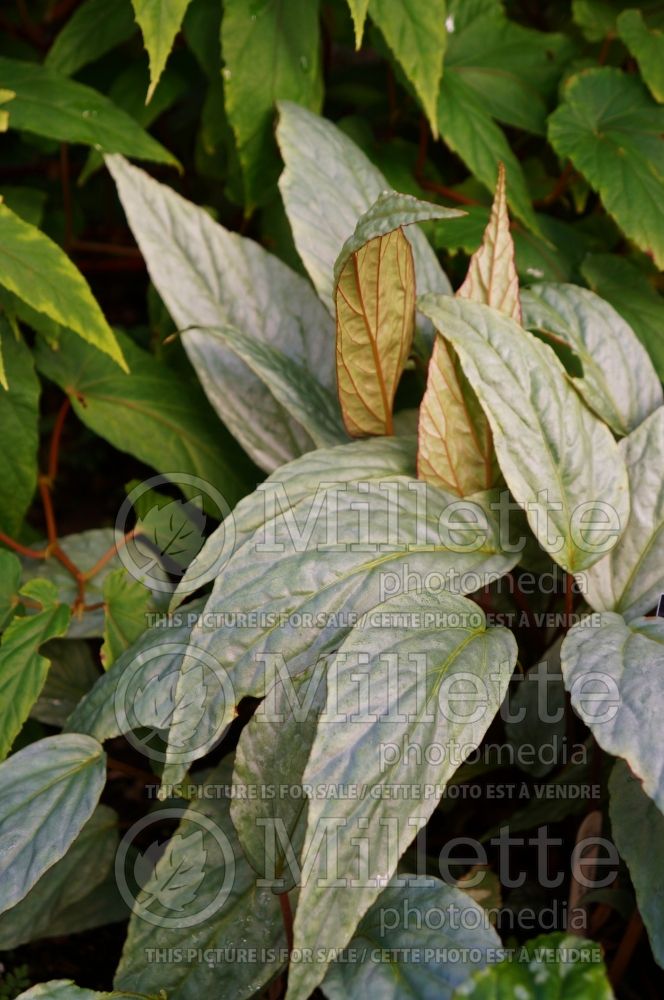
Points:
(492, 277)
(375, 299)
(455, 449)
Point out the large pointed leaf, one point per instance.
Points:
(615, 675)
(327, 185)
(310, 569)
(630, 292)
(552, 965)
(455, 449)
(630, 578)
(369, 976)
(618, 380)
(84, 866)
(245, 916)
(296, 387)
(94, 28)
(407, 656)
(301, 479)
(416, 35)
(159, 416)
(210, 277)
(48, 791)
(555, 455)
(19, 418)
(647, 47)
(22, 669)
(51, 105)
(610, 128)
(40, 273)
(637, 828)
(160, 21)
(271, 51)
(467, 128)
(375, 300)
(271, 755)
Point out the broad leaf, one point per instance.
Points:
(271, 51)
(407, 675)
(301, 479)
(160, 21)
(610, 128)
(312, 567)
(10, 581)
(159, 416)
(296, 387)
(647, 47)
(630, 579)
(328, 183)
(65, 989)
(84, 866)
(358, 10)
(19, 418)
(375, 300)
(22, 669)
(138, 691)
(455, 449)
(272, 753)
(615, 675)
(209, 277)
(228, 911)
(94, 28)
(126, 603)
(127, 91)
(630, 292)
(513, 70)
(416, 36)
(390, 211)
(618, 380)
(597, 18)
(369, 976)
(468, 129)
(553, 965)
(559, 461)
(72, 672)
(492, 276)
(48, 791)
(53, 106)
(40, 273)
(637, 828)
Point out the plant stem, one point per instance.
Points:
(22, 549)
(54, 450)
(626, 949)
(107, 556)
